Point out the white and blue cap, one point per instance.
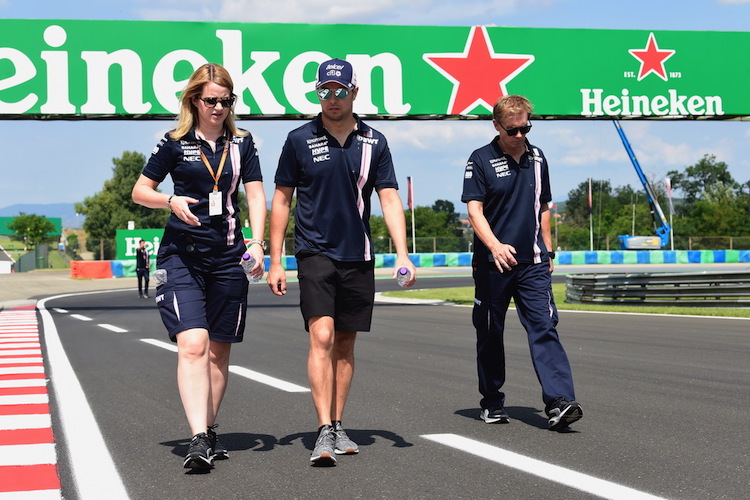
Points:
(336, 70)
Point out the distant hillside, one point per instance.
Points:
(65, 211)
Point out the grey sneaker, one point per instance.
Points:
(220, 451)
(562, 413)
(323, 454)
(343, 445)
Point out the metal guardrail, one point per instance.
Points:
(708, 289)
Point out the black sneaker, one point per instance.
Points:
(200, 454)
(494, 415)
(323, 454)
(220, 451)
(562, 413)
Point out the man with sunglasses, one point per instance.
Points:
(334, 162)
(506, 189)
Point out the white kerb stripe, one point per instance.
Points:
(7, 349)
(24, 399)
(22, 352)
(27, 382)
(31, 495)
(15, 370)
(568, 477)
(18, 361)
(35, 421)
(28, 454)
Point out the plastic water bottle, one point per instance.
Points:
(159, 277)
(402, 276)
(247, 264)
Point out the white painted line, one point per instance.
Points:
(159, 343)
(24, 399)
(36, 421)
(22, 352)
(60, 310)
(12, 361)
(81, 317)
(27, 382)
(91, 463)
(32, 495)
(14, 370)
(242, 372)
(112, 328)
(28, 454)
(19, 335)
(380, 298)
(268, 380)
(568, 477)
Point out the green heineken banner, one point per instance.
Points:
(128, 240)
(64, 69)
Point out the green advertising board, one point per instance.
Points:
(127, 241)
(58, 69)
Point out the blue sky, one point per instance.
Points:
(63, 162)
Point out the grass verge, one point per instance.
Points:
(465, 296)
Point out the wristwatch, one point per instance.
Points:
(262, 243)
(551, 254)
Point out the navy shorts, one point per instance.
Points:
(205, 290)
(344, 291)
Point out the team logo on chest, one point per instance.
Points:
(319, 148)
(191, 150)
(500, 165)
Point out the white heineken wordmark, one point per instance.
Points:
(595, 103)
(139, 80)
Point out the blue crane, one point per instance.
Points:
(663, 229)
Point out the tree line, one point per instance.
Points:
(712, 203)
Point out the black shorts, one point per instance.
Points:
(205, 290)
(344, 291)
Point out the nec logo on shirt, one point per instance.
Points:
(319, 149)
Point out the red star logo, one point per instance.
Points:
(479, 75)
(652, 59)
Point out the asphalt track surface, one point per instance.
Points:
(666, 407)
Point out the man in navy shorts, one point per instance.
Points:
(506, 189)
(334, 162)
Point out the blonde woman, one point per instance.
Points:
(203, 301)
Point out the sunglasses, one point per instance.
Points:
(515, 130)
(340, 93)
(213, 101)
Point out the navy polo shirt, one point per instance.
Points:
(182, 160)
(334, 184)
(512, 195)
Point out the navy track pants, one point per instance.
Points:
(530, 286)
